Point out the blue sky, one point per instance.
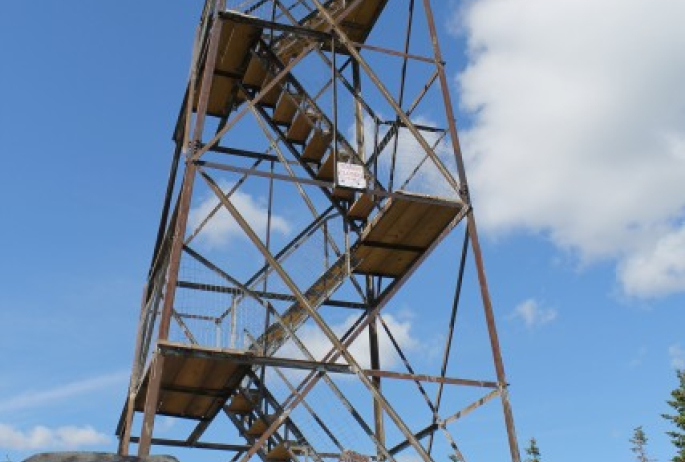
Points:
(573, 124)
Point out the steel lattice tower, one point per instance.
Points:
(316, 170)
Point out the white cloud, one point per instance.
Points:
(222, 228)
(318, 345)
(658, 270)
(32, 399)
(532, 314)
(579, 129)
(677, 355)
(44, 438)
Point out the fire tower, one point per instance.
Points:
(316, 181)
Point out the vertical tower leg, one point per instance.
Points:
(475, 243)
(125, 437)
(376, 365)
(494, 340)
(151, 399)
(177, 244)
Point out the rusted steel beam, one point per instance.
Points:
(451, 324)
(449, 202)
(177, 244)
(161, 259)
(470, 408)
(250, 154)
(375, 374)
(213, 212)
(265, 295)
(475, 243)
(198, 445)
(126, 420)
(403, 81)
(420, 127)
(150, 408)
(163, 222)
(388, 51)
(430, 429)
(173, 349)
(181, 139)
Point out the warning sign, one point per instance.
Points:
(351, 176)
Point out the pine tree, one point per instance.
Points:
(678, 419)
(533, 451)
(639, 441)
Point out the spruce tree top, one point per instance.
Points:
(678, 419)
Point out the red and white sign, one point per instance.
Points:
(351, 176)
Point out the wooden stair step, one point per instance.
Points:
(343, 193)
(242, 404)
(302, 126)
(286, 108)
(235, 44)
(271, 97)
(281, 451)
(325, 172)
(317, 145)
(260, 425)
(255, 73)
(362, 207)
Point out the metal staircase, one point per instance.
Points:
(246, 411)
(286, 107)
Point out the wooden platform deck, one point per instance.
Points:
(238, 38)
(402, 231)
(360, 21)
(240, 33)
(196, 381)
(357, 25)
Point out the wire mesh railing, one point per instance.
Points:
(213, 309)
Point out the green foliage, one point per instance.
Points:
(639, 441)
(678, 419)
(533, 451)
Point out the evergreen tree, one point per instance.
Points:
(639, 441)
(678, 419)
(533, 451)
